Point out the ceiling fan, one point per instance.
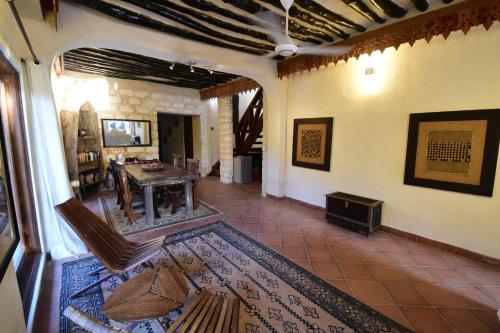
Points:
(285, 46)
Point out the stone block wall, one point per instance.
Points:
(136, 100)
(226, 138)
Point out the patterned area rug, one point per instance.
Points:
(276, 294)
(116, 218)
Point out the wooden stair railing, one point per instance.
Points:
(250, 126)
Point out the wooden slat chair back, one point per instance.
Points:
(209, 313)
(177, 161)
(115, 252)
(193, 165)
(116, 177)
(126, 196)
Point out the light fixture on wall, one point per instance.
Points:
(369, 71)
(172, 66)
(115, 86)
(191, 69)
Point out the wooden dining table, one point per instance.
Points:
(166, 176)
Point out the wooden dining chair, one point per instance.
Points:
(193, 165)
(116, 253)
(177, 161)
(117, 183)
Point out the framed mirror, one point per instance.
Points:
(126, 133)
(9, 235)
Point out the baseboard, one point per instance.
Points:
(443, 246)
(295, 201)
(408, 235)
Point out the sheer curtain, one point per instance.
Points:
(51, 181)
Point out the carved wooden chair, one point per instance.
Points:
(193, 165)
(134, 199)
(177, 161)
(173, 193)
(116, 253)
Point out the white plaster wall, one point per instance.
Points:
(136, 100)
(370, 130)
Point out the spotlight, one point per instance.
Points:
(172, 66)
(191, 69)
(210, 71)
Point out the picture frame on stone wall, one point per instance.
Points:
(453, 151)
(312, 143)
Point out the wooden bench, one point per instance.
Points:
(116, 253)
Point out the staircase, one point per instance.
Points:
(248, 133)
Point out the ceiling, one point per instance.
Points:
(125, 65)
(236, 24)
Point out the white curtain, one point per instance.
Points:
(51, 181)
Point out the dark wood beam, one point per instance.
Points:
(363, 9)
(389, 8)
(329, 15)
(421, 5)
(145, 60)
(202, 15)
(305, 16)
(147, 22)
(295, 29)
(185, 20)
(76, 60)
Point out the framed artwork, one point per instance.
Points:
(453, 151)
(312, 143)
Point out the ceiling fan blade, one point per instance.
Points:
(323, 50)
(274, 27)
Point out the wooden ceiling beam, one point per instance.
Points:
(136, 70)
(328, 15)
(214, 21)
(390, 8)
(360, 7)
(147, 22)
(461, 16)
(188, 22)
(421, 5)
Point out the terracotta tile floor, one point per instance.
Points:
(419, 286)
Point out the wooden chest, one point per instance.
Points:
(359, 213)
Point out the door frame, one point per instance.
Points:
(21, 182)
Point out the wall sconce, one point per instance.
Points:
(369, 71)
(115, 86)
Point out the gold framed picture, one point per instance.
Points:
(454, 151)
(312, 143)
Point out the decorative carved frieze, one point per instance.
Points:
(229, 89)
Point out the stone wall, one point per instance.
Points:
(225, 139)
(134, 100)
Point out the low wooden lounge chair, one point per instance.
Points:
(88, 323)
(117, 254)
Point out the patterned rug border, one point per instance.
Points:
(64, 296)
(109, 216)
(360, 308)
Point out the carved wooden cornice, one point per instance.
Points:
(462, 16)
(229, 89)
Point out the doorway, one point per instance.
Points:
(179, 134)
